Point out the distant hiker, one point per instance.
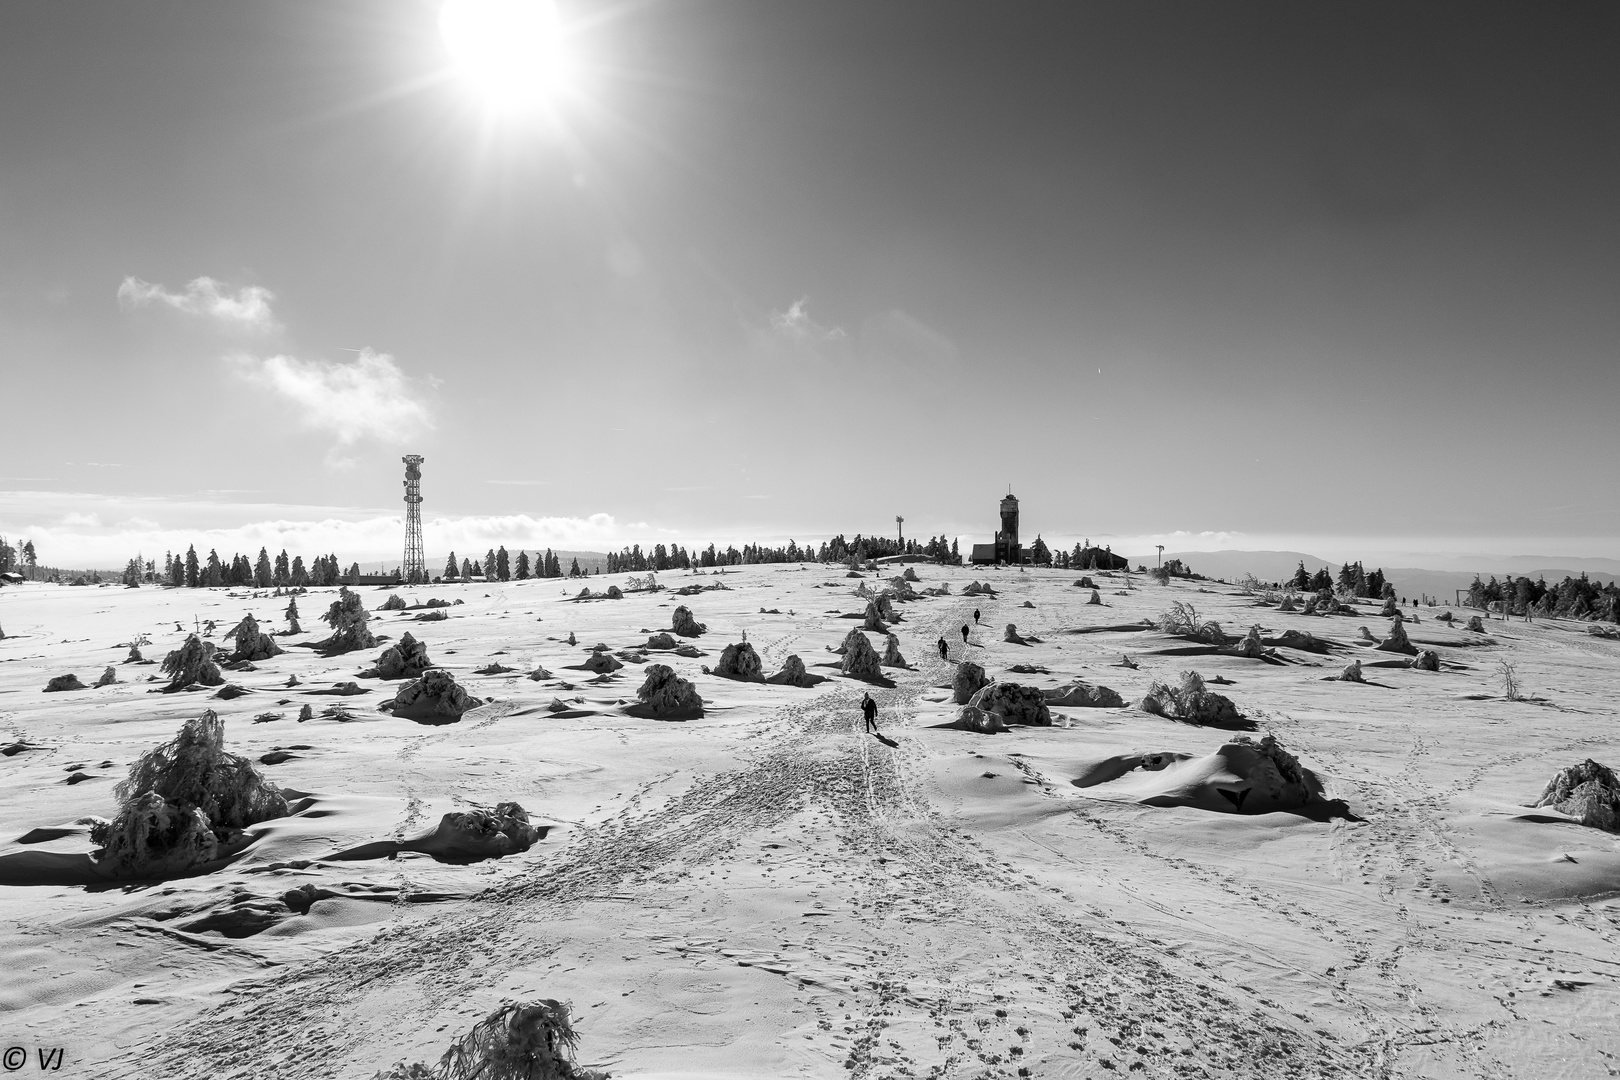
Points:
(964, 633)
(975, 616)
(944, 650)
(869, 710)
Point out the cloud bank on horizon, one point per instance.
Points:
(84, 539)
(81, 531)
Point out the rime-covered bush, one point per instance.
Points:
(1192, 702)
(1588, 792)
(251, 642)
(518, 1041)
(434, 698)
(347, 617)
(405, 659)
(184, 802)
(663, 691)
(1015, 704)
(968, 680)
(685, 625)
(739, 661)
(793, 673)
(193, 662)
(860, 659)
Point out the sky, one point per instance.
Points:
(1325, 277)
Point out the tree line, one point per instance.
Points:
(18, 559)
(191, 572)
(497, 565)
(1353, 580)
(836, 550)
(1572, 598)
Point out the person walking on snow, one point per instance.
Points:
(964, 633)
(869, 710)
(944, 650)
(975, 616)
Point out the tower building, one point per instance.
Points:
(414, 570)
(1007, 549)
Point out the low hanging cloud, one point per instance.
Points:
(81, 540)
(796, 324)
(367, 398)
(247, 308)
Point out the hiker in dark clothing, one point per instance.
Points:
(869, 710)
(944, 650)
(964, 633)
(975, 616)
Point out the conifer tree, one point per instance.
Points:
(450, 568)
(522, 570)
(503, 566)
(193, 572)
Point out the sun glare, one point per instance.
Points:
(510, 52)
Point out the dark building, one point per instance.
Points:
(1006, 548)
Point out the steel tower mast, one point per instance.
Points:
(415, 569)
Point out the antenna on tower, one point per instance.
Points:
(415, 568)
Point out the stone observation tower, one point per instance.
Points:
(1007, 549)
(414, 572)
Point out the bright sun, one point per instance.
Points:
(511, 52)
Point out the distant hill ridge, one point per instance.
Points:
(1408, 581)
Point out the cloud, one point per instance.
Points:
(80, 541)
(796, 324)
(369, 398)
(248, 308)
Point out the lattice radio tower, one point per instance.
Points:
(415, 568)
